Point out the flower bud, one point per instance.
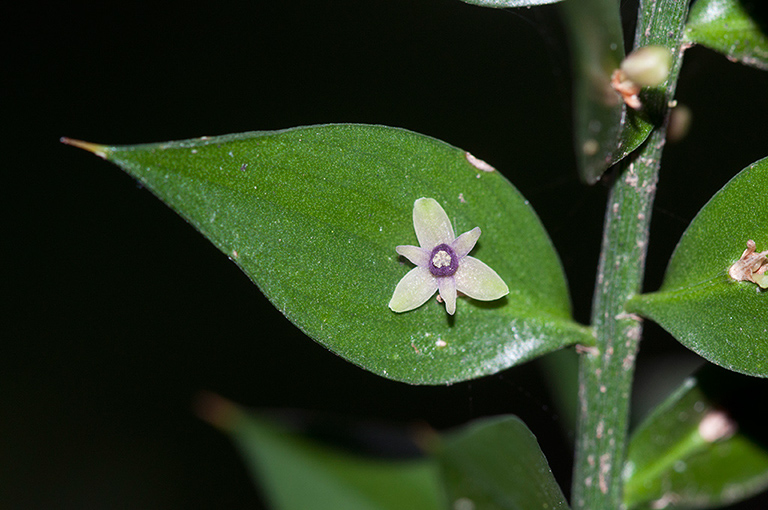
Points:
(648, 66)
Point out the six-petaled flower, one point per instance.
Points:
(443, 264)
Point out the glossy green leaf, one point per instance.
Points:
(312, 215)
(723, 320)
(500, 4)
(705, 446)
(635, 128)
(496, 464)
(297, 473)
(736, 28)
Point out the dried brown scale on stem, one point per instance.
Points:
(627, 89)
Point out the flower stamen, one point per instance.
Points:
(443, 261)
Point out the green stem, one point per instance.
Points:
(606, 373)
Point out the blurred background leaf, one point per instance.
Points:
(299, 472)
(597, 49)
(496, 463)
(706, 446)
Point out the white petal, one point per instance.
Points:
(413, 290)
(431, 224)
(418, 256)
(478, 281)
(447, 287)
(465, 242)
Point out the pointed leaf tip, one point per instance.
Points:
(95, 148)
(216, 410)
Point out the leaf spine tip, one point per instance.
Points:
(95, 148)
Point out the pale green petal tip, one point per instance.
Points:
(493, 287)
(466, 241)
(427, 207)
(413, 290)
(500, 288)
(478, 281)
(425, 203)
(447, 288)
(416, 255)
(431, 223)
(397, 304)
(400, 302)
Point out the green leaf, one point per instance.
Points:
(736, 28)
(500, 4)
(496, 464)
(635, 128)
(605, 129)
(723, 320)
(297, 473)
(312, 215)
(706, 445)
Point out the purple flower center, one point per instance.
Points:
(443, 260)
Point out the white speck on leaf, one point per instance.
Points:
(590, 147)
(665, 501)
(605, 467)
(479, 163)
(716, 425)
(463, 504)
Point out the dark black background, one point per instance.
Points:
(118, 313)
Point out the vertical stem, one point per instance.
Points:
(605, 375)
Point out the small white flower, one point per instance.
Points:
(443, 263)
